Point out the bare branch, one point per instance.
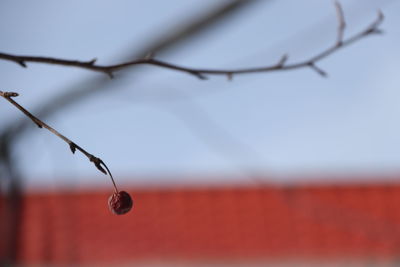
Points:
(100, 165)
(202, 73)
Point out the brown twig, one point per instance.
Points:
(341, 22)
(202, 73)
(99, 163)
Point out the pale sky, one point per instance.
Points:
(158, 126)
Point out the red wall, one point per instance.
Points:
(209, 224)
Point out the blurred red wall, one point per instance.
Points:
(233, 223)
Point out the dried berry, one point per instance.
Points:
(120, 202)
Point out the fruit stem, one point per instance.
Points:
(115, 186)
(112, 179)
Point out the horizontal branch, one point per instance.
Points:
(99, 163)
(202, 73)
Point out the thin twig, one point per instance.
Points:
(341, 23)
(202, 73)
(99, 163)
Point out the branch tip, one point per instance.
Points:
(283, 60)
(110, 74)
(22, 64)
(342, 23)
(92, 62)
(340, 15)
(199, 75)
(378, 31)
(373, 28)
(381, 16)
(318, 69)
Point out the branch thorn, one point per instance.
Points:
(199, 75)
(317, 69)
(97, 162)
(72, 146)
(91, 62)
(110, 74)
(283, 60)
(22, 63)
